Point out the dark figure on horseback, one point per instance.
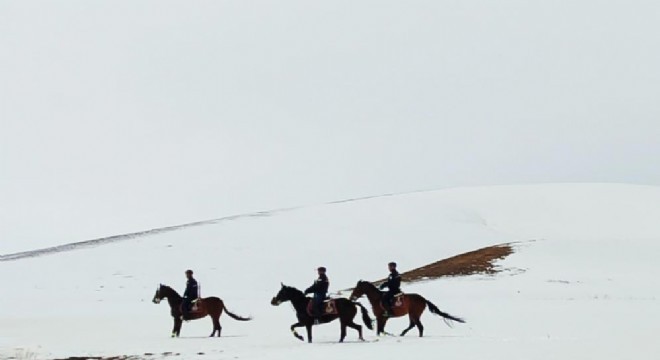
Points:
(393, 285)
(210, 306)
(320, 291)
(412, 304)
(344, 310)
(190, 295)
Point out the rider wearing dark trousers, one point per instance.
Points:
(393, 285)
(190, 295)
(320, 291)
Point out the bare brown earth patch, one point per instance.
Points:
(480, 261)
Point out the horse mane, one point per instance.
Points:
(367, 283)
(170, 289)
(291, 288)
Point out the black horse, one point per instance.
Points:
(343, 309)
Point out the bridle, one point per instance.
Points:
(157, 298)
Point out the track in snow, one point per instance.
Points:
(129, 236)
(124, 237)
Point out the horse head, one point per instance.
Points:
(159, 296)
(359, 290)
(286, 293)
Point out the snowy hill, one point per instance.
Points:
(581, 285)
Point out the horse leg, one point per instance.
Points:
(295, 333)
(416, 316)
(412, 325)
(357, 327)
(216, 325)
(309, 333)
(380, 321)
(343, 331)
(177, 327)
(219, 316)
(418, 322)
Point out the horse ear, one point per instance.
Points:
(282, 284)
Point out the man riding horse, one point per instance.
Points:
(393, 285)
(190, 295)
(320, 291)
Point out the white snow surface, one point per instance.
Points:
(580, 285)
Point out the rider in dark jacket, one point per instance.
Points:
(320, 291)
(190, 295)
(393, 285)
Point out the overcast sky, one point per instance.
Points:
(118, 116)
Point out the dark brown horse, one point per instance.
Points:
(412, 305)
(342, 309)
(211, 306)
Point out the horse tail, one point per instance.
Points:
(368, 322)
(236, 317)
(434, 309)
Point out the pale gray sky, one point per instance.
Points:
(118, 116)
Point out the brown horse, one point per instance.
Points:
(412, 305)
(211, 306)
(343, 309)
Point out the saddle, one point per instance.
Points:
(397, 301)
(329, 308)
(197, 307)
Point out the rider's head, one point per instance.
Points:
(392, 266)
(189, 273)
(321, 270)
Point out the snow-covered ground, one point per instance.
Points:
(581, 286)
